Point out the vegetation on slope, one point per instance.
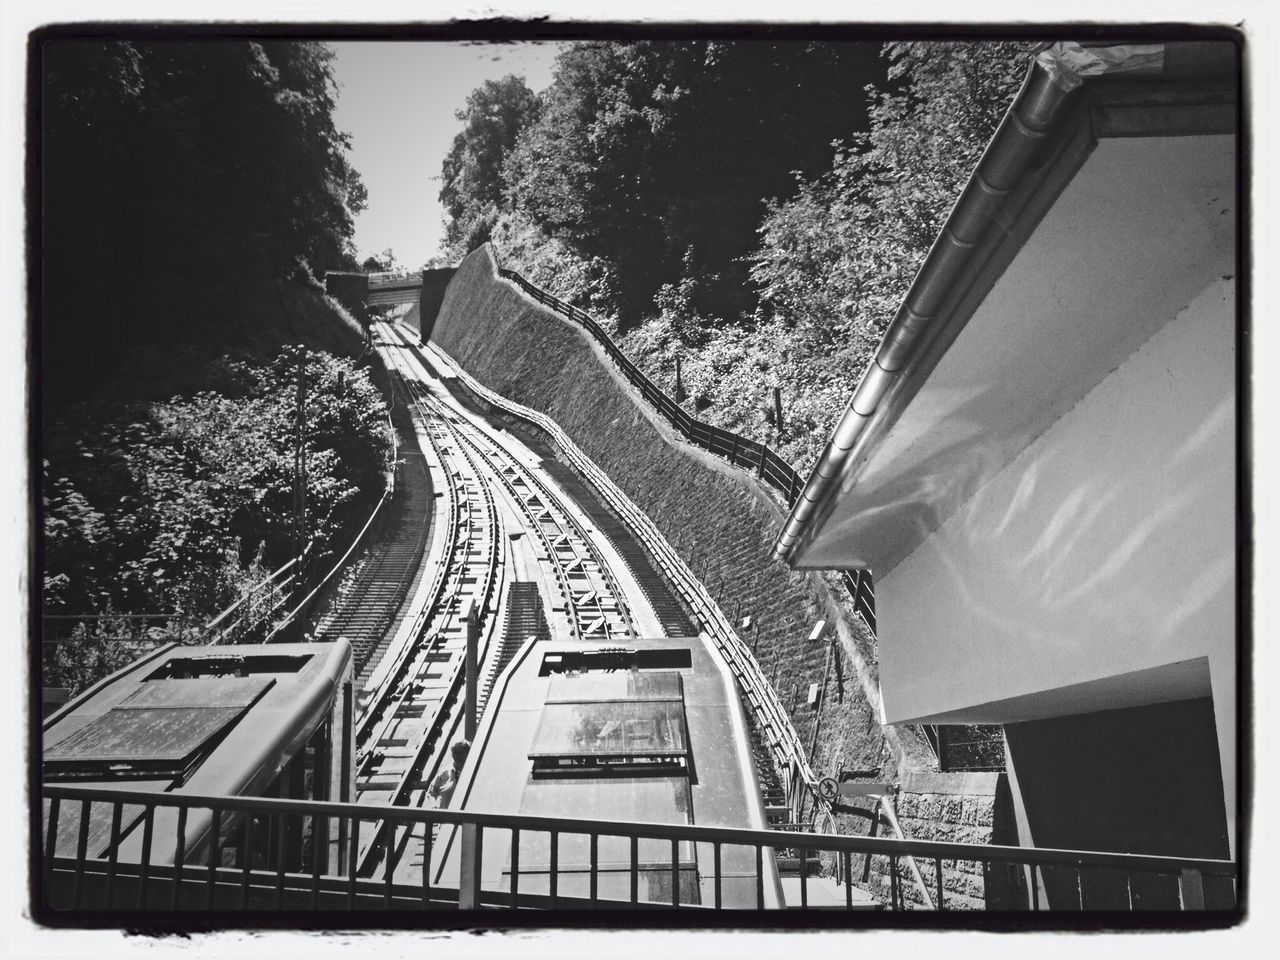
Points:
(747, 207)
(192, 192)
(181, 181)
(176, 507)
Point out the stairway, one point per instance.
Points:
(366, 607)
(524, 619)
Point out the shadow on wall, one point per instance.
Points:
(1107, 546)
(434, 284)
(1143, 780)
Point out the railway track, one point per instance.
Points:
(414, 709)
(768, 716)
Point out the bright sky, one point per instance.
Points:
(397, 100)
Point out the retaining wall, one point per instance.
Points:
(716, 515)
(721, 520)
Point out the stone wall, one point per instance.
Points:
(720, 518)
(722, 521)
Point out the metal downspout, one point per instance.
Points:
(1047, 87)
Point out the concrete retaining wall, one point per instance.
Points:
(717, 516)
(720, 518)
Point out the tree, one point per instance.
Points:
(471, 176)
(167, 507)
(834, 261)
(384, 262)
(654, 157)
(181, 179)
(837, 259)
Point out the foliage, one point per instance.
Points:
(834, 262)
(384, 262)
(179, 179)
(494, 116)
(554, 265)
(642, 193)
(172, 506)
(480, 230)
(648, 161)
(841, 254)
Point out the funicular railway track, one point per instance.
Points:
(769, 719)
(415, 708)
(400, 725)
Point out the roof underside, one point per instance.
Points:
(1142, 227)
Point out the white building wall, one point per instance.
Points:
(1106, 547)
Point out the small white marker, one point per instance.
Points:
(817, 630)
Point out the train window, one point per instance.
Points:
(612, 723)
(224, 665)
(628, 685)
(615, 658)
(139, 743)
(161, 729)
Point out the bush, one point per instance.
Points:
(170, 507)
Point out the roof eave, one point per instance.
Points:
(1042, 102)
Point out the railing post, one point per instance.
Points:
(635, 869)
(469, 867)
(1191, 889)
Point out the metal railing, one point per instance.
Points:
(240, 621)
(738, 450)
(296, 617)
(169, 851)
(387, 278)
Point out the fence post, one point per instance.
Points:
(1191, 890)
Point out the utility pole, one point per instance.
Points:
(300, 465)
(777, 408)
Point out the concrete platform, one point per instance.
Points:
(825, 894)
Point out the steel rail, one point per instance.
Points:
(440, 577)
(481, 455)
(443, 604)
(566, 523)
(441, 710)
(761, 697)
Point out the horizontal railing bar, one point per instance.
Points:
(367, 891)
(656, 831)
(120, 616)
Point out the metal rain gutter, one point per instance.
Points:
(1051, 78)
